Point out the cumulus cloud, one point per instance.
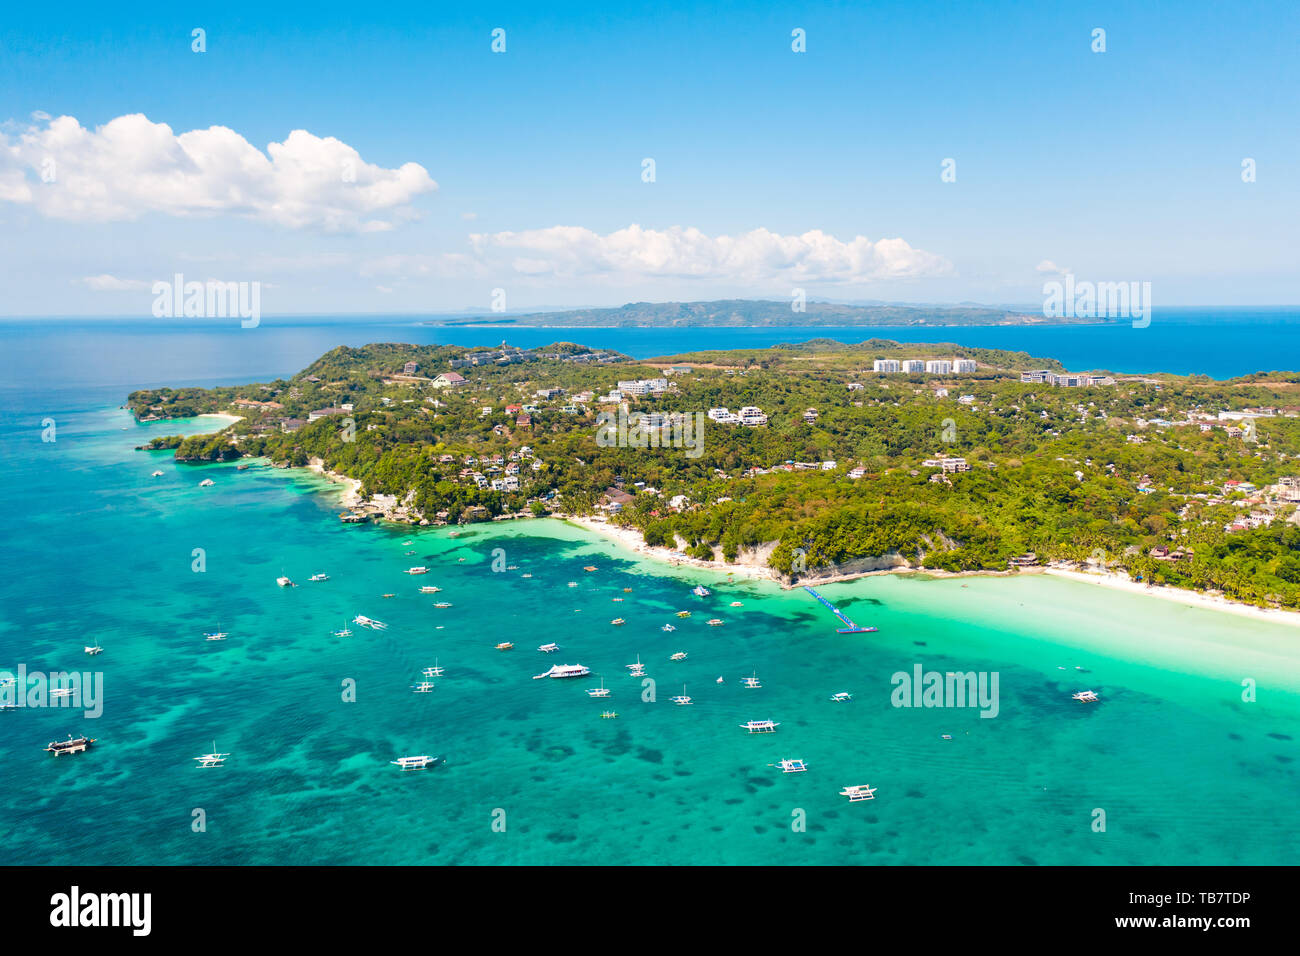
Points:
(1049, 267)
(131, 166)
(678, 252)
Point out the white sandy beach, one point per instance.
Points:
(351, 495)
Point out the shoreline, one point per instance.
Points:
(351, 494)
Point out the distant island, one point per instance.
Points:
(804, 461)
(759, 312)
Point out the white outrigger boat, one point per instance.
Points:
(434, 671)
(549, 648)
(609, 714)
(637, 669)
(319, 576)
(565, 670)
(96, 649)
(506, 646)
(715, 622)
(418, 570)
(681, 700)
(679, 656)
(793, 766)
(429, 589)
(413, 763)
(736, 604)
(285, 582)
(213, 759)
(1086, 696)
(668, 628)
(217, 635)
(573, 584)
(751, 681)
(369, 622)
(424, 687)
(206, 483)
(601, 691)
(860, 792)
(700, 591)
(760, 726)
(842, 697)
(443, 604)
(344, 631)
(156, 474)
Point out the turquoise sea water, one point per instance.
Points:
(97, 550)
(1185, 771)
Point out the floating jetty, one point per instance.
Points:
(849, 627)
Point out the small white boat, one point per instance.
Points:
(156, 474)
(841, 697)
(760, 726)
(443, 604)
(434, 671)
(369, 622)
(565, 670)
(429, 589)
(736, 604)
(505, 646)
(751, 681)
(715, 622)
(284, 582)
(413, 763)
(793, 766)
(637, 666)
(946, 736)
(418, 570)
(213, 759)
(424, 687)
(206, 483)
(609, 714)
(601, 691)
(573, 584)
(549, 648)
(679, 656)
(407, 544)
(319, 576)
(217, 635)
(617, 621)
(859, 793)
(1086, 696)
(700, 591)
(96, 649)
(668, 628)
(681, 700)
(344, 631)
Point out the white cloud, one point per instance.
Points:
(569, 251)
(108, 283)
(131, 166)
(1048, 266)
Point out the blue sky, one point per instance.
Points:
(773, 169)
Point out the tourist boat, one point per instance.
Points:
(751, 681)
(715, 622)
(319, 576)
(96, 649)
(617, 621)
(407, 554)
(213, 759)
(429, 589)
(407, 544)
(435, 670)
(859, 793)
(388, 595)
(344, 631)
(505, 646)
(601, 691)
(156, 474)
(679, 656)
(69, 746)
(793, 766)
(424, 687)
(668, 628)
(760, 726)
(590, 567)
(1086, 696)
(946, 736)
(549, 648)
(609, 714)
(512, 567)
(59, 692)
(627, 590)
(681, 700)
(719, 680)
(454, 534)
(206, 483)
(217, 635)
(637, 666)
(369, 622)
(284, 582)
(418, 570)
(683, 613)
(443, 604)
(841, 697)
(525, 575)
(700, 591)
(565, 670)
(736, 604)
(617, 600)
(413, 763)
(573, 584)
(241, 468)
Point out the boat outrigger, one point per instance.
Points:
(842, 697)
(849, 627)
(420, 570)
(668, 628)
(96, 649)
(751, 681)
(1086, 696)
(213, 759)
(413, 763)
(319, 576)
(679, 656)
(715, 622)
(434, 671)
(609, 714)
(793, 766)
(700, 591)
(505, 646)
(617, 621)
(424, 687)
(601, 691)
(859, 793)
(760, 726)
(369, 622)
(681, 700)
(549, 648)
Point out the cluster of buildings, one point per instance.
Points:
(750, 415)
(959, 366)
(1065, 379)
(642, 386)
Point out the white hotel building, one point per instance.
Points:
(884, 365)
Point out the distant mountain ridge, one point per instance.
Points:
(763, 312)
